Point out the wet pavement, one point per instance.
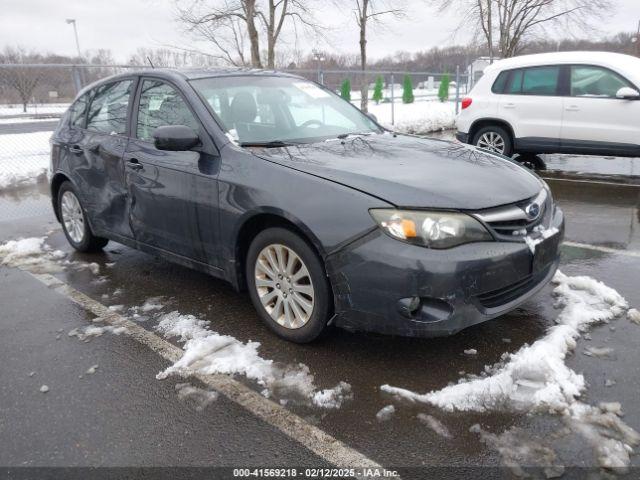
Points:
(122, 415)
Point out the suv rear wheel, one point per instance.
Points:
(288, 285)
(495, 139)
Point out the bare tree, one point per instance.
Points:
(23, 79)
(367, 12)
(230, 24)
(512, 22)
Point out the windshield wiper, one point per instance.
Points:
(270, 144)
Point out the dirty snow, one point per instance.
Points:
(536, 378)
(44, 388)
(24, 158)
(86, 334)
(32, 253)
(471, 352)
(521, 454)
(200, 396)
(152, 304)
(92, 369)
(208, 352)
(385, 413)
(598, 352)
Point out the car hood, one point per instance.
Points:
(412, 172)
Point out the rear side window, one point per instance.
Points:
(540, 81)
(500, 83)
(161, 105)
(588, 81)
(108, 109)
(78, 110)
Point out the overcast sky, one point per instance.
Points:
(124, 25)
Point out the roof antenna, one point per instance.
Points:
(150, 62)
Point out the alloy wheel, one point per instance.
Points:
(72, 216)
(284, 286)
(492, 141)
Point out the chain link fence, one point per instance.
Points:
(33, 98)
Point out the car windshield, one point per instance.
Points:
(272, 110)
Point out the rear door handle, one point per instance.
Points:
(509, 105)
(76, 149)
(134, 164)
(573, 108)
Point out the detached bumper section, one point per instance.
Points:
(386, 286)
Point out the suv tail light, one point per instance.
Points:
(466, 102)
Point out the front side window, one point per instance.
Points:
(588, 81)
(108, 109)
(263, 109)
(161, 105)
(540, 81)
(78, 110)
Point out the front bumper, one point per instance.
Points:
(386, 286)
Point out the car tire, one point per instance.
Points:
(74, 221)
(296, 309)
(495, 139)
(532, 161)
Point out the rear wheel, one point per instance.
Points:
(495, 139)
(74, 222)
(288, 285)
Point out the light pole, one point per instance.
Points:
(72, 21)
(319, 57)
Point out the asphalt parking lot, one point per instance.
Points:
(121, 415)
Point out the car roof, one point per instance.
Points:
(188, 74)
(599, 58)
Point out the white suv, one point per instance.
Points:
(565, 102)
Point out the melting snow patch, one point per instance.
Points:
(471, 351)
(87, 333)
(152, 304)
(92, 369)
(44, 389)
(31, 253)
(536, 378)
(208, 352)
(434, 424)
(201, 397)
(634, 316)
(598, 352)
(385, 413)
(522, 454)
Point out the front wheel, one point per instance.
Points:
(288, 285)
(74, 222)
(494, 139)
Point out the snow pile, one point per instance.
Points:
(207, 352)
(152, 304)
(24, 158)
(535, 377)
(416, 118)
(32, 253)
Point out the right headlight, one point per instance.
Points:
(430, 228)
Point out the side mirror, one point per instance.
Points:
(627, 93)
(372, 117)
(175, 138)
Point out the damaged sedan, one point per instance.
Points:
(280, 187)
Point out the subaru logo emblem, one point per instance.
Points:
(532, 210)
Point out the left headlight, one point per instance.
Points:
(430, 229)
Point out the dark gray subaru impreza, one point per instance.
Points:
(279, 186)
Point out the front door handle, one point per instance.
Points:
(573, 108)
(509, 105)
(76, 149)
(134, 164)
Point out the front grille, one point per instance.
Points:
(513, 222)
